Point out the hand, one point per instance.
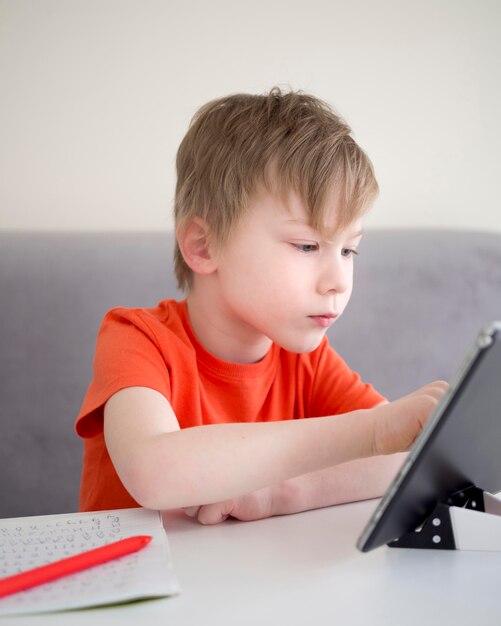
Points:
(253, 506)
(399, 423)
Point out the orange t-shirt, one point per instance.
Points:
(157, 348)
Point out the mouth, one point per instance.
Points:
(324, 320)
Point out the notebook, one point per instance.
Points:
(29, 542)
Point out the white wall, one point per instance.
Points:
(96, 95)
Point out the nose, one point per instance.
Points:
(336, 276)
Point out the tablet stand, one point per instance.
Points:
(468, 520)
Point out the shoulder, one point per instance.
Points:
(165, 310)
(167, 315)
(153, 333)
(136, 347)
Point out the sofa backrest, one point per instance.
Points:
(419, 299)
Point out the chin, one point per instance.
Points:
(301, 347)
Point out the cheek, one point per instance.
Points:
(261, 291)
(347, 294)
(261, 269)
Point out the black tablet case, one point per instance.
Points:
(460, 448)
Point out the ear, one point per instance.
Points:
(195, 244)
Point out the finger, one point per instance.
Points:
(215, 513)
(438, 386)
(435, 389)
(435, 392)
(191, 511)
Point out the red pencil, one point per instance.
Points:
(71, 565)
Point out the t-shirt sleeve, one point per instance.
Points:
(127, 355)
(337, 388)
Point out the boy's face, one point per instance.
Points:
(278, 277)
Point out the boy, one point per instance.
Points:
(231, 402)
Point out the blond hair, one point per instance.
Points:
(285, 141)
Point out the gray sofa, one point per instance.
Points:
(420, 296)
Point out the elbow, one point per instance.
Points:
(143, 492)
(153, 483)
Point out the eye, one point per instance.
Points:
(307, 248)
(348, 252)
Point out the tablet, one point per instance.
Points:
(459, 447)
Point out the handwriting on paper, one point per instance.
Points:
(33, 541)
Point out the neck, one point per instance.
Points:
(220, 332)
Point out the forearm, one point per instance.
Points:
(356, 480)
(214, 463)
(360, 479)
(164, 467)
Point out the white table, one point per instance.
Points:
(304, 569)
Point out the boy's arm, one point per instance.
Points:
(164, 467)
(361, 479)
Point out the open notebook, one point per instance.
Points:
(28, 542)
